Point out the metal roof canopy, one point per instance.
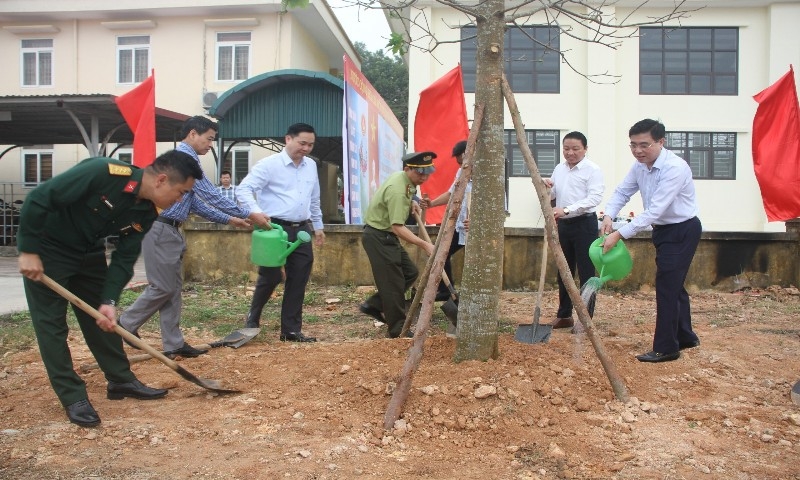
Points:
(262, 107)
(91, 120)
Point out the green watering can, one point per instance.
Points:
(616, 264)
(270, 248)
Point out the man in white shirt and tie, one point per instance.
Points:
(577, 189)
(670, 206)
(285, 186)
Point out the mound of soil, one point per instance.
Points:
(544, 411)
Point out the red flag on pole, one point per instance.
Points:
(776, 148)
(441, 122)
(138, 108)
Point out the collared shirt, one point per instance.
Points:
(204, 199)
(229, 193)
(391, 203)
(667, 190)
(278, 188)
(464, 212)
(579, 188)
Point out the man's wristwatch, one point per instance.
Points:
(113, 303)
(566, 211)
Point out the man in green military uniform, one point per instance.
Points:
(393, 270)
(62, 230)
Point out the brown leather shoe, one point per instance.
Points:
(563, 323)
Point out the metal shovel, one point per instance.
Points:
(450, 307)
(536, 333)
(234, 339)
(213, 385)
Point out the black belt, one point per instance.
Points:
(665, 225)
(567, 221)
(169, 221)
(285, 223)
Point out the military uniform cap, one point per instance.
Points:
(422, 161)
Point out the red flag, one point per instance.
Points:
(138, 108)
(776, 148)
(441, 122)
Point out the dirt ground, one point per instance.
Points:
(544, 411)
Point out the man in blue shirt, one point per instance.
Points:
(286, 187)
(163, 246)
(670, 206)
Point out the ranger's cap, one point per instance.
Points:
(423, 161)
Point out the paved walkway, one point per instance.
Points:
(13, 299)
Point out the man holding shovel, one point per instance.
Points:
(392, 268)
(462, 222)
(577, 188)
(63, 225)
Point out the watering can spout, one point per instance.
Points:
(302, 237)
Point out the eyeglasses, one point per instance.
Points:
(421, 170)
(642, 146)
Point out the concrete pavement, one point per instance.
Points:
(13, 299)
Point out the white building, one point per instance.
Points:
(697, 75)
(198, 49)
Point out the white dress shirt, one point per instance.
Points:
(278, 188)
(667, 189)
(579, 188)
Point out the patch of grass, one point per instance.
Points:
(311, 297)
(16, 332)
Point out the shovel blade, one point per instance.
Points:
(533, 333)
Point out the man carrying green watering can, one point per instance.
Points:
(285, 186)
(670, 206)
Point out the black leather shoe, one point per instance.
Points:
(442, 296)
(186, 350)
(134, 389)
(135, 334)
(653, 357)
(373, 312)
(253, 324)
(689, 344)
(82, 413)
(296, 337)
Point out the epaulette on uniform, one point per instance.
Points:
(119, 170)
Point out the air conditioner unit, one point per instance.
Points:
(209, 98)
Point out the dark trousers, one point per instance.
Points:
(298, 271)
(448, 267)
(84, 274)
(575, 236)
(394, 273)
(675, 247)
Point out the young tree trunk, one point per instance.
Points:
(482, 280)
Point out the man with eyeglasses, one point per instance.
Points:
(285, 187)
(670, 206)
(392, 268)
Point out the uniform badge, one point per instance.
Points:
(119, 170)
(410, 189)
(131, 186)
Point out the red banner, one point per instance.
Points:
(441, 122)
(138, 108)
(776, 148)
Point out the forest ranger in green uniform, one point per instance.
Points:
(393, 270)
